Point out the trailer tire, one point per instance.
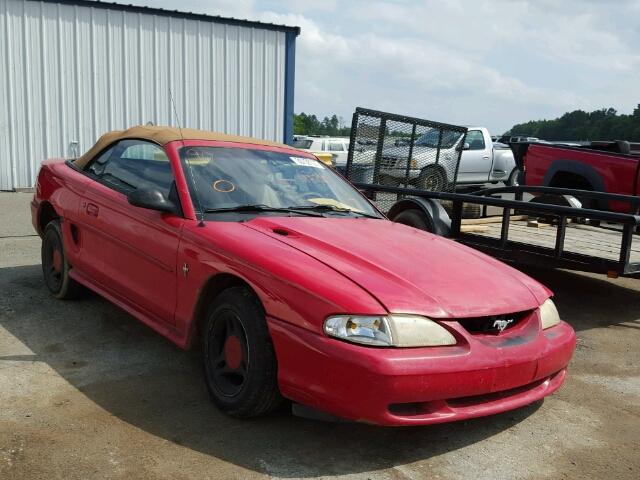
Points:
(414, 218)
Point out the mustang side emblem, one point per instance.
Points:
(502, 324)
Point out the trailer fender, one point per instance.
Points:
(424, 213)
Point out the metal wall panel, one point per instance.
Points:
(71, 72)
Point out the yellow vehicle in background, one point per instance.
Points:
(330, 150)
(325, 157)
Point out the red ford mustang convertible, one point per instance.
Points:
(292, 283)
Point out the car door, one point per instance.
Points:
(475, 162)
(131, 251)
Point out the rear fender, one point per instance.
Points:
(571, 166)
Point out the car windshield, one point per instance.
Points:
(303, 143)
(230, 178)
(430, 138)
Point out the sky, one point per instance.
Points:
(471, 62)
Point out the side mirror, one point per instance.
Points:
(152, 199)
(466, 146)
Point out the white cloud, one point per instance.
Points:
(489, 62)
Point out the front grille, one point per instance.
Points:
(388, 162)
(494, 324)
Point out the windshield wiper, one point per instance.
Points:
(261, 208)
(333, 208)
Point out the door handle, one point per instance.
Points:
(92, 209)
(486, 157)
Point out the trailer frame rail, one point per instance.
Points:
(514, 251)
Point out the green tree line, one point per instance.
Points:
(333, 126)
(603, 124)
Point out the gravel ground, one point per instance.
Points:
(87, 392)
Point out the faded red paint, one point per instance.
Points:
(324, 266)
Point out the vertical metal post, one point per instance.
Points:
(625, 247)
(562, 228)
(379, 147)
(518, 195)
(456, 218)
(410, 154)
(289, 80)
(439, 145)
(504, 232)
(352, 142)
(455, 175)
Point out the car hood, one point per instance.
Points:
(408, 270)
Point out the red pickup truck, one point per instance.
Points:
(611, 167)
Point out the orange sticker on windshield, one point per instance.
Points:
(223, 186)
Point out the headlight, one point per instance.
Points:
(389, 331)
(549, 314)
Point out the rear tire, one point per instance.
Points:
(55, 266)
(239, 360)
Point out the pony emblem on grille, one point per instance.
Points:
(502, 324)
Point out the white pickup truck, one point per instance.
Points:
(482, 161)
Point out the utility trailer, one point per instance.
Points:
(514, 224)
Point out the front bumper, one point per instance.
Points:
(418, 386)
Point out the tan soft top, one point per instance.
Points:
(163, 135)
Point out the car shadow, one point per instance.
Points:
(591, 301)
(139, 377)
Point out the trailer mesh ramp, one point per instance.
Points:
(395, 150)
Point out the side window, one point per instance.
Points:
(133, 164)
(336, 147)
(475, 139)
(97, 165)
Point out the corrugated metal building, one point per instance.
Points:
(74, 69)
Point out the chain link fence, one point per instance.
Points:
(390, 149)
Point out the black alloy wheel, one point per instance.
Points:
(228, 354)
(55, 266)
(240, 364)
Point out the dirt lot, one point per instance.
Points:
(88, 392)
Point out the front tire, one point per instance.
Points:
(55, 266)
(239, 360)
(432, 179)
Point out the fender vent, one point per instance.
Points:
(75, 234)
(281, 231)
